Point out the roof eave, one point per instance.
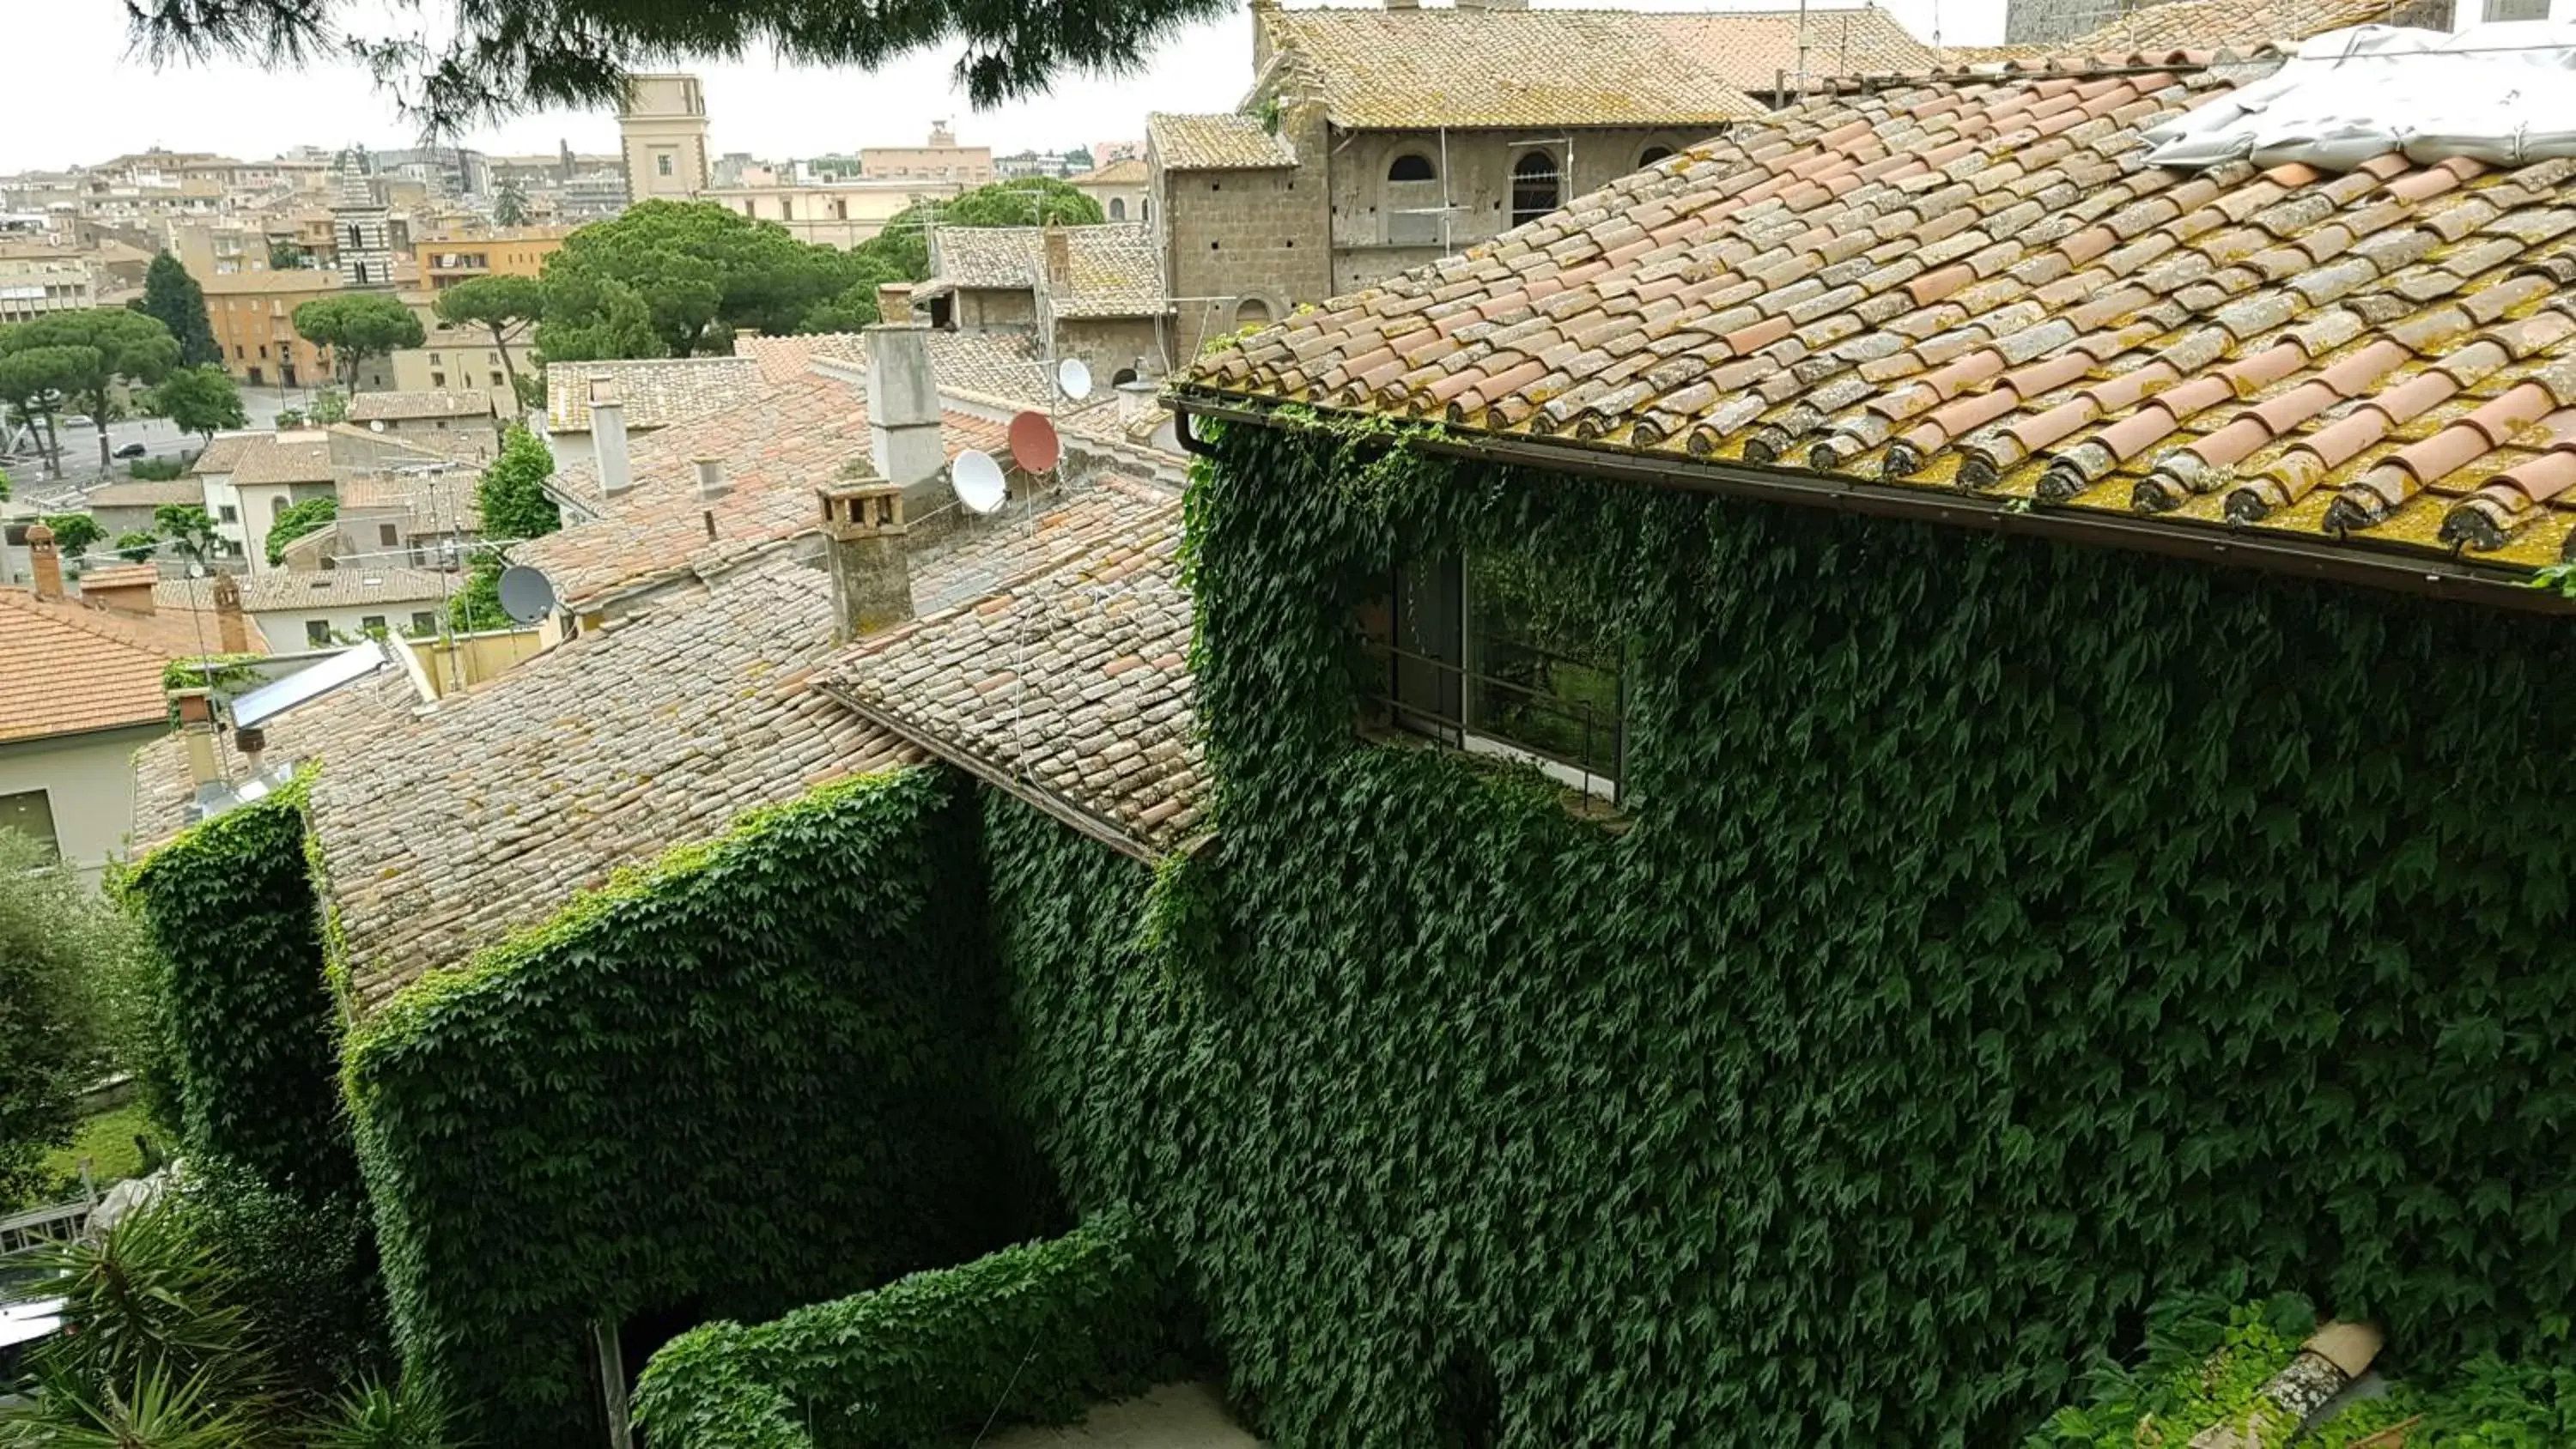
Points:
(2362, 562)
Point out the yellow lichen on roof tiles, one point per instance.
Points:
(1417, 69)
(1977, 285)
(1214, 143)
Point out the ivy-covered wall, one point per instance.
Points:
(1034, 1334)
(254, 1033)
(754, 1076)
(2002, 933)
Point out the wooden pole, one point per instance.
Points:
(612, 1382)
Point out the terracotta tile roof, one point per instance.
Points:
(782, 359)
(1117, 271)
(341, 722)
(655, 391)
(402, 406)
(776, 446)
(119, 576)
(1125, 171)
(224, 452)
(2211, 24)
(136, 493)
(285, 462)
(1071, 680)
(341, 588)
(995, 364)
(1415, 69)
(1214, 143)
(67, 668)
(1751, 49)
(442, 502)
(1980, 287)
(490, 812)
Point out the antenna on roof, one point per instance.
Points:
(978, 482)
(526, 594)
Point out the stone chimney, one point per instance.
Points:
(197, 727)
(903, 411)
(1136, 402)
(232, 627)
(894, 303)
(608, 438)
(1059, 258)
(863, 533)
(49, 564)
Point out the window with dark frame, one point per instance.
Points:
(31, 813)
(1534, 186)
(1492, 655)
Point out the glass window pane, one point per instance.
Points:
(1544, 666)
(30, 813)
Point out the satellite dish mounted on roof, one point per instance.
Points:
(1034, 444)
(526, 594)
(978, 481)
(1072, 376)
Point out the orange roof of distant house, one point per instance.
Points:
(68, 669)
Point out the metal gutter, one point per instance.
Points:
(2363, 563)
(1063, 810)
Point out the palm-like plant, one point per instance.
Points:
(154, 1410)
(372, 1416)
(148, 1298)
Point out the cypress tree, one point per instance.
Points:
(174, 297)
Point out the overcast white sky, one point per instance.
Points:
(70, 63)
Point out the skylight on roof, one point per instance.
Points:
(2503, 94)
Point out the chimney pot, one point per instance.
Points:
(863, 532)
(252, 742)
(608, 438)
(894, 303)
(1059, 258)
(49, 563)
(232, 632)
(196, 706)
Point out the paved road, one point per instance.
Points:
(161, 437)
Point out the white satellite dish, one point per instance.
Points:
(376, 426)
(526, 594)
(1074, 378)
(978, 481)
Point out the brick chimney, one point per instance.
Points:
(232, 627)
(1059, 258)
(122, 589)
(903, 410)
(863, 534)
(894, 303)
(608, 438)
(49, 564)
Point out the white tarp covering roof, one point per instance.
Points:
(2503, 94)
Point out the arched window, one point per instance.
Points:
(1651, 155)
(1534, 186)
(1118, 208)
(1251, 311)
(1413, 202)
(1411, 166)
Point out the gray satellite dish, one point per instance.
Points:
(978, 481)
(1074, 378)
(526, 595)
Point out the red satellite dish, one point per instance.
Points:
(1034, 445)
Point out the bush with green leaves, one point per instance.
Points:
(296, 520)
(302, 1273)
(750, 1077)
(2204, 1363)
(73, 1004)
(2002, 935)
(1033, 1334)
(229, 903)
(511, 494)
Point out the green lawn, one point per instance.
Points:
(107, 1140)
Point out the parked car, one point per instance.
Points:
(132, 450)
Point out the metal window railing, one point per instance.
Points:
(1460, 686)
